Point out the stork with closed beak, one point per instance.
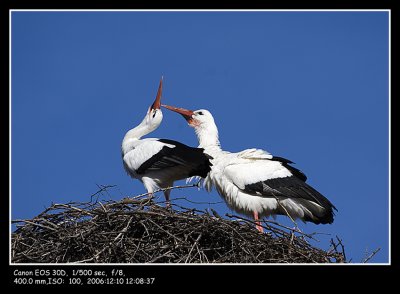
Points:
(255, 183)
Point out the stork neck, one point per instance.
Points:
(208, 137)
(136, 133)
(140, 130)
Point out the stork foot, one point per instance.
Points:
(258, 223)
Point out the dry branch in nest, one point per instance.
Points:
(139, 230)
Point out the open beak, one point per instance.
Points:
(157, 103)
(187, 114)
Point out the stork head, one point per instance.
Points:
(154, 114)
(203, 123)
(195, 118)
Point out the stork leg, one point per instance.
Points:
(149, 185)
(167, 202)
(258, 223)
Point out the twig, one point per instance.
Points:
(191, 249)
(102, 206)
(102, 188)
(94, 257)
(48, 222)
(33, 223)
(71, 207)
(287, 212)
(371, 255)
(125, 229)
(341, 244)
(196, 202)
(166, 189)
(172, 235)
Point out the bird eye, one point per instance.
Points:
(201, 113)
(154, 114)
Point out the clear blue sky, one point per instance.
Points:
(308, 86)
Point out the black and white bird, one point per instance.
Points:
(157, 163)
(255, 183)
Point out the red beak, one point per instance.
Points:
(186, 113)
(157, 103)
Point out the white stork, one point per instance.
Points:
(157, 163)
(255, 183)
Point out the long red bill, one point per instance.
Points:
(157, 103)
(186, 113)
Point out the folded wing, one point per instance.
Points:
(275, 178)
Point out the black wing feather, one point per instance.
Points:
(180, 154)
(295, 188)
(285, 162)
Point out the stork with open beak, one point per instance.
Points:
(255, 183)
(157, 163)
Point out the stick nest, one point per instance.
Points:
(142, 231)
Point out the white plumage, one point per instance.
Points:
(139, 150)
(253, 182)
